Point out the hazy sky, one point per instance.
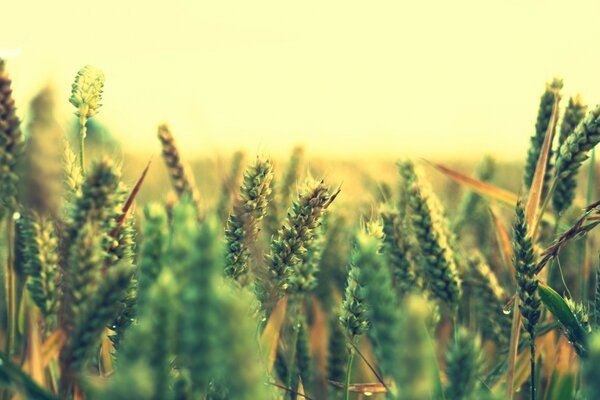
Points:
(344, 77)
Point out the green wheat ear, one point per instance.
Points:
(144, 362)
(182, 179)
(464, 365)
(295, 238)
(524, 262)
(565, 188)
(199, 278)
(397, 250)
(244, 222)
(155, 241)
(383, 311)
(530, 303)
(414, 366)
(354, 314)
(11, 144)
(41, 261)
(100, 307)
(547, 101)
(86, 93)
(484, 288)
(430, 228)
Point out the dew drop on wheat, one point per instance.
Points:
(16, 216)
(507, 309)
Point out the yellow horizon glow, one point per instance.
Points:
(344, 78)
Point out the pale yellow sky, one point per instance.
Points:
(345, 77)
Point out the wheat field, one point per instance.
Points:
(249, 277)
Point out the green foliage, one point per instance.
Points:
(153, 250)
(199, 328)
(591, 369)
(414, 368)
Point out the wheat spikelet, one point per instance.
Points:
(154, 247)
(565, 187)
(99, 308)
(290, 246)
(383, 312)
(574, 113)
(428, 224)
(146, 354)
(524, 262)
(397, 249)
(73, 179)
(413, 368)
(41, 261)
(244, 222)
(97, 202)
(11, 143)
(574, 149)
(199, 330)
(86, 93)
(353, 316)
(181, 177)
(464, 364)
(547, 101)
(490, 298)
(527, 282)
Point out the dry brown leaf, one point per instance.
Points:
(486, 189)
(270, 336)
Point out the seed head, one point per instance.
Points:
(86, 92)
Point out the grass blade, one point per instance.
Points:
(560, 309)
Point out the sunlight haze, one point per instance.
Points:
(346, 78)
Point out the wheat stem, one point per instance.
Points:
(82, 133)
(348, 374)
(11, 296)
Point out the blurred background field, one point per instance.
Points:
(354, 88)
(347, 80)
